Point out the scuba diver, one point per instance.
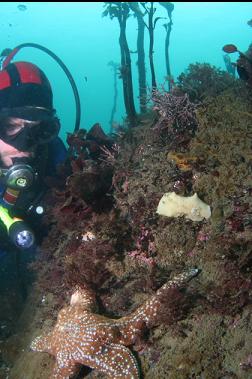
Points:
(243, 64)
(30, 148)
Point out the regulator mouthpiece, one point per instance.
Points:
(20, 176)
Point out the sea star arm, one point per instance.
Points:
(146, 313)
(116, 361)
(41, 344)
(64, 367)
(83, 298)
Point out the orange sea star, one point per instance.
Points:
(81, 336)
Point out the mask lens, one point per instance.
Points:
(30, 113)
(45, 131)
(11, 127)
(13, 130)
(36, 126)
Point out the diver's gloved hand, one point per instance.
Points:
(7, 152)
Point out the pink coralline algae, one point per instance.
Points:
(202, 236)
(247, 364)
(174, 111)
(145, 248)
(141, 257)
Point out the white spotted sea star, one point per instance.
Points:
(81, 336)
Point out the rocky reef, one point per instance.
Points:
(116, 245)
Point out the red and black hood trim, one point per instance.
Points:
(23, 84)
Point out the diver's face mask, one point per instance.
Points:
(27, 127)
